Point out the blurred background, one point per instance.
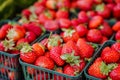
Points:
(10, 8)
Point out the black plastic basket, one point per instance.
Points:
(88, 77)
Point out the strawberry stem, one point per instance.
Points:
(26, 48)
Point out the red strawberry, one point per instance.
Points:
(94, 35)
(44, 62)
(2, 48)
(55, 54)
(86, 50)
(69, 34)
(51, 4)
(95, 22)
(11, 75)
(39, 10)
(57, 77)
(104, 38)
(81, 30)
(27, 55)
(63, 4)
(115, 73)
(22, 40)
(117, 1)
(64, 23)
(95, 69)
(38, 49)
(75, 22)
(62, 13)
(116, 46)
(34, 28)
(106, 30)
(82, 16)
(44, 42)
(26, 13)
(103, 10)
(14, 51)
(116, 26)
(69, 70)
(109, 55)
(84, 4)
(97, 1)
(47, 54)
(117, 35)
(116, 11)
(51, 25)
(30, 36)
(91, 14)
(3, 30)
(39, 3)
(30, 70)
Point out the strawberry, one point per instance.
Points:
(117, 35)
(115, 73)
(30, 36)
(82, 16)
(95, 22)
(103, 10)
(70, 47)
(60, 70)
(26, 54)
(116, 46)
(116, 26)
(63, 4)
(51, 25)
(86, 50)
(62, 13)
(64, 23)
(97, 1)
(91, 13)
(75, 22)
(3, 70)
(22, 40)
(38, 49)
(2, 48)
(69, 34)
(116, 11)
(39, 3)
(44, 42)
(95, 69)
(109, 55)
(33, 27)
(84, 4)
(69, 70)
(11, 75)
(81, 30)
(39, 9)
(104, 39)
(55, 54)
(16, 33)
(26, 13)
(54, 40)
(3, 30)
(94, 35)
(44, 62)
(117, 1)
(51, 4)
(106, 30)
(30, 70)
(47, 54)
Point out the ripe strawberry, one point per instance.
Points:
(84, 4)
(39, 9)
(57, 77)
(106, 30)
(95, 69)
(39, 3)
(81, 30)
(30, 36)
(103, 10)
(69, 70)
(30, 70)
(70, 47)
(116, 46)
(64, 23)
(116, 11)
(11, 75)
(97, 1)
(44, 62)
(115, 73)
(51, 4)
(69, 34)
(38, 49)
(82, 16)
(95, 22)
(22, 40)
(54, 40)
(75, 22)
(117, 35)
(51, 25)
(86, 50)
(47, 54)
(26, 13)
(63, 4)
(44, 42)
(16, 33)
(27, 55)
(116, 26)
(109, 55)
(55, 54)
(104, 38)
(62, 13)
(94, 35)
(33, 27)
(117, 1)
(2, 48)
(3, 30)
(3, 70)
(91, 13)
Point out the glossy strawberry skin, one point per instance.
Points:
(44, 62)
(94, 35)
(82, 16)
(23, 40)
(69, 70)
(28, 57)
(62, 14)
(94, 69)
(55, 54)
(116, 46)
(109, 56)
(116, 11)
(116, 26)
(2, 48)
(117, 35)
(26, 13)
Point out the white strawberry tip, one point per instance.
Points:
(71, 58)
(68, 32)
(8, 44)
(26, 48)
